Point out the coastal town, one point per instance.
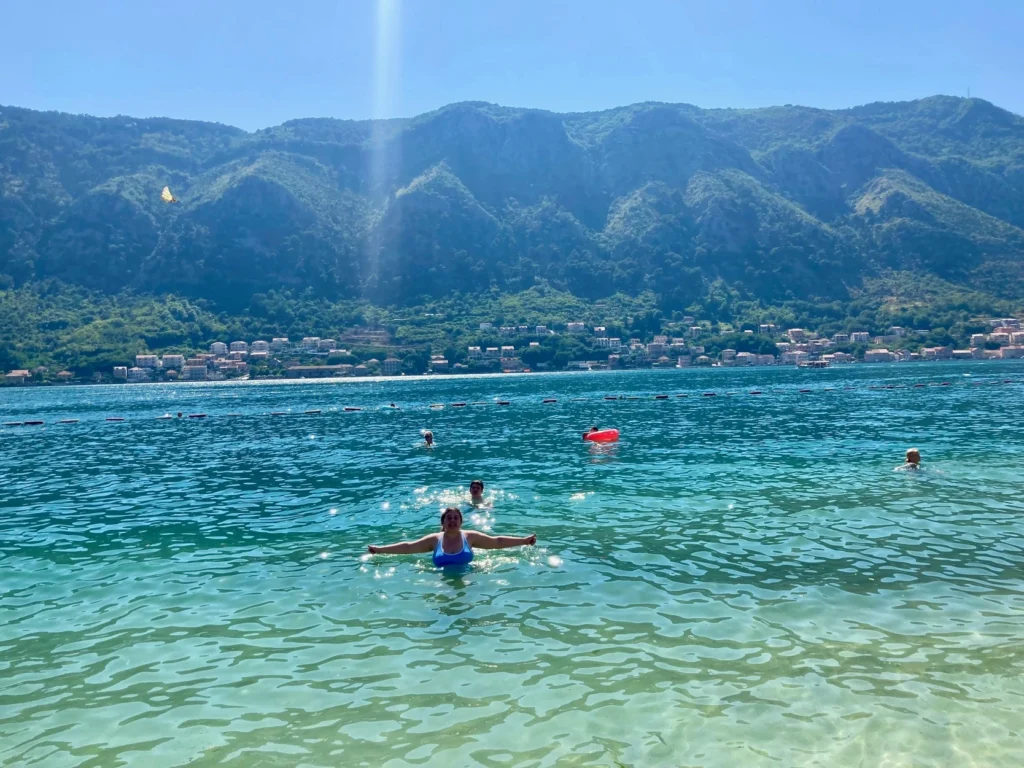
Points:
(522, 348)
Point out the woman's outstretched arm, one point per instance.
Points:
(485, 541)
(426, 544)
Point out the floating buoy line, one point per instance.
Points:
(543, 401)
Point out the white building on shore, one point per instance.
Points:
(194, 373)
(173, 361)
(878, 356)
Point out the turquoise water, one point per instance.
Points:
(741, 580)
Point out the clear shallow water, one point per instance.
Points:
(742, 580)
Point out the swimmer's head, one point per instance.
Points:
(451, 519)
(476, 489)
(428, 436)
(913, 456)
(592, 429)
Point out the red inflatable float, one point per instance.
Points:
(602, 435)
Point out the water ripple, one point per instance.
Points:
(739, 580)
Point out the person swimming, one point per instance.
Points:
(428, 439)
(476, 493)
(452, 546)
(592, 429)
(913, 461)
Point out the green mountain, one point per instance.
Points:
(784, 202)
(768, 206)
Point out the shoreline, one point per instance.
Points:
(462, 376)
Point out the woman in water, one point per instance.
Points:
(428, 439)
(453, 546)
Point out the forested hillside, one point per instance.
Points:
(770, 206)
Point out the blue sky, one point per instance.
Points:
(261, 62)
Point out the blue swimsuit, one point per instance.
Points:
(442, 558)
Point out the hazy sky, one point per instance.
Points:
(261, 62)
